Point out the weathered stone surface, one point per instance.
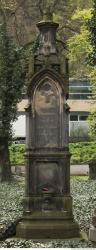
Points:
(92, 230)
(47, 115)
(92, 233)
(92, 170)
(94, 219)
(54, 229)
(48, 204)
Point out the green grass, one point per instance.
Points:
(81, 178)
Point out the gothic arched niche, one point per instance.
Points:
(47, 106)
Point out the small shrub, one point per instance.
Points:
(17, 154)
(82, 152)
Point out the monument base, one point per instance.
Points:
(46, 226)
(92, 233)
(45, 221)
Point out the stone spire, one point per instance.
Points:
(47, 54)
(47, 28)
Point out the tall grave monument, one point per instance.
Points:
(48, 204)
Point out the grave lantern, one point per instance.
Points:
(48, 203)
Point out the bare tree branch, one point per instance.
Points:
(62, 43)
(16, 29)
(54, 4)
(75, 30)
(3, 12)
(40, 8)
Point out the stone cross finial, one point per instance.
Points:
(48, 15)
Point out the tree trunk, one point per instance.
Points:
(5, 166)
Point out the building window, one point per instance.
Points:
(78, 117)
(79, 90)
(83, 117)
(73, 117)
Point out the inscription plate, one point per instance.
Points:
(48, 177)
(47, 115)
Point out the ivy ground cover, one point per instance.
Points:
(84, 203)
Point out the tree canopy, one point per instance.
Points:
(18, 32)
(92, 68)
(11, 83)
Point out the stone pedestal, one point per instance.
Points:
(48, 210)
(92, 230)
(53, 225)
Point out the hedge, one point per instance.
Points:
(82, 152)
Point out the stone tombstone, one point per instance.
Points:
(92, 230)
(92, 176)
(47, 203)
